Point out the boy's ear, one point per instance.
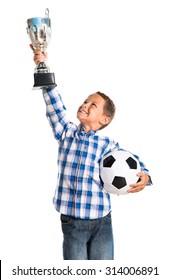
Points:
(105, 120)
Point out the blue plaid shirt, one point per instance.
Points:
(79, 191)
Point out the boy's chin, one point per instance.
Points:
(79, 118)
(81, 121)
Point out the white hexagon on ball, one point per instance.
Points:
(118, 170)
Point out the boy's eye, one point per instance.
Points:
(94, 104)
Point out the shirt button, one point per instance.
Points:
(85, 147)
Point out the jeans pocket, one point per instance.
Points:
(108, 216)
(65, 219)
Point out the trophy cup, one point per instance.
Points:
(39, 31)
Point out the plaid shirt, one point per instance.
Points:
(79, 191)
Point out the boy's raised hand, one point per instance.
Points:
(39, 56)
(144, 179)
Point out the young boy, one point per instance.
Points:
(79, 197)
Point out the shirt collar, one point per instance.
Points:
(82, 131)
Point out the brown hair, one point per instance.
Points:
(109, 107)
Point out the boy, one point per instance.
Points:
(79, 197)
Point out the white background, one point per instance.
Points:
(123, 49)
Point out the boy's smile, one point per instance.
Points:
(91, 114)
(81, 111)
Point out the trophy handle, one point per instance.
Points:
(47, 13)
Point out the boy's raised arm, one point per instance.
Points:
(55, 112)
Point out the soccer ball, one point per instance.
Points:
(118, 170)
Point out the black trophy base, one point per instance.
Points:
(44, 80)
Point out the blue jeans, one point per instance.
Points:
(87, 239)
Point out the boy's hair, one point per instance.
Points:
(109, 107)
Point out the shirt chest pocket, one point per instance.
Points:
(91, 169)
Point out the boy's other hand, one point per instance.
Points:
(144, 179)
(39, 56)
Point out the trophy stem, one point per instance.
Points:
(42, 68)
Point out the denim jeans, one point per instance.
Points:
(87, 239)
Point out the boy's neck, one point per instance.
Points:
(88, 128)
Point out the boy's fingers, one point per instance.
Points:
(31, 46)
(135, 189)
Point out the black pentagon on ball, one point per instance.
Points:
(108, 162)
(119, 182)
(132, 163)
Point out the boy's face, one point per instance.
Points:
(91, 114)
